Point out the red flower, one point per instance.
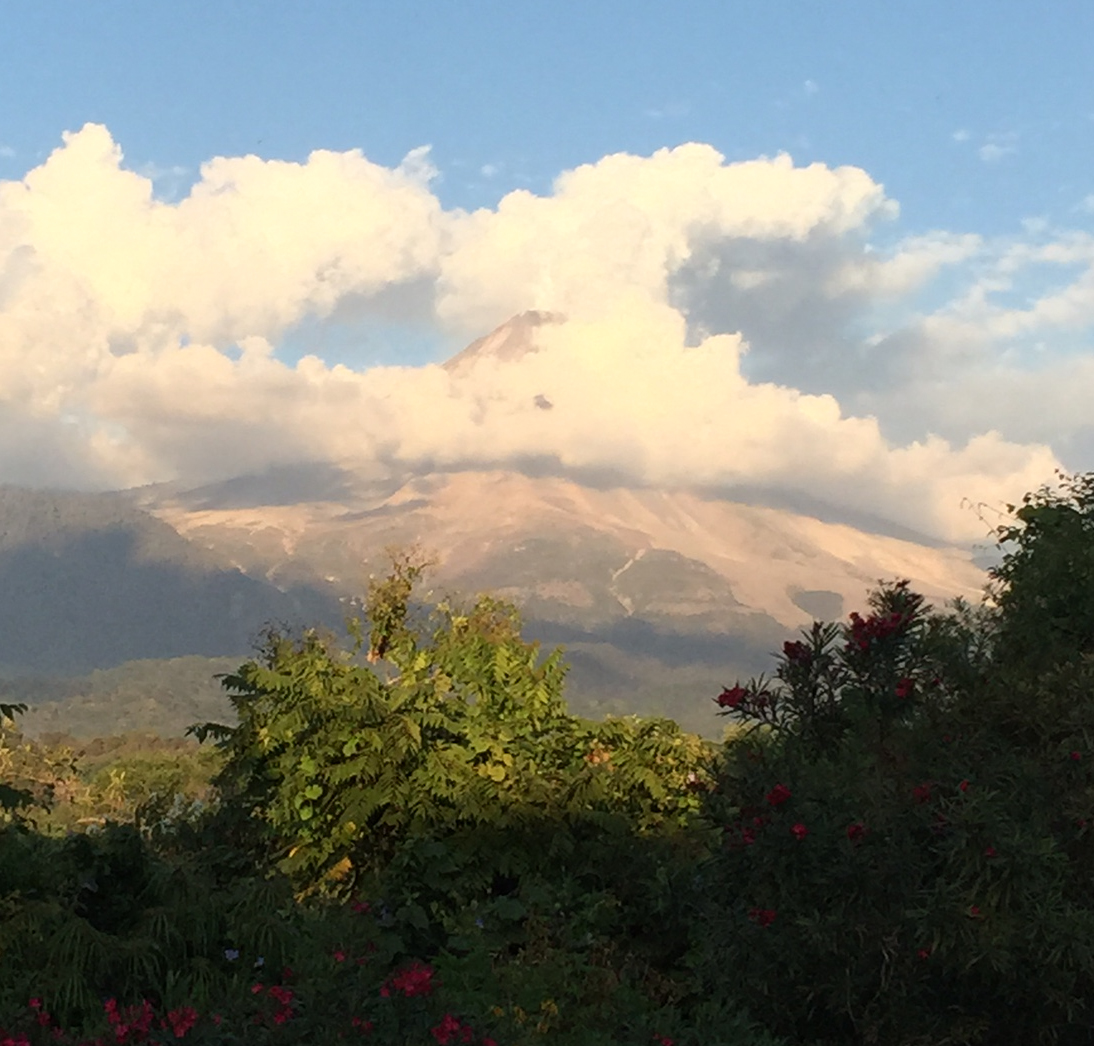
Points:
(365, 1026)
(762, 916)
(905, 687)
(990, 852)
(1076, 756)
(778, 795)
(732, 698)
(281, 994)
(974, 912)
(797, 652)
(182, 1020)
(964, 786)
(921, 793)
(855, 831)
(339, 955)
(799, 831)
(864, 632)
(416, 979)
(748, 836)
(924, 953)
(444, 1031)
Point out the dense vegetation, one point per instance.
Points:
(408, 838)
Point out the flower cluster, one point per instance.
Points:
(865, 631)
(283, 996)
(732, 697)
(451, 1030)
(762, 916)
(797, 653)
(133, 1025)
(738, 699)
(778, 795)
(416, 979)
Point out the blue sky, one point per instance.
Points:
(844, 250)
(974, 116)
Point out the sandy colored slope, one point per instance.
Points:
(766, 554)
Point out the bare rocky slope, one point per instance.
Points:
(659, 597)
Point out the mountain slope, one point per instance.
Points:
(88, 581)
(660, 598)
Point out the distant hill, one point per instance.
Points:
(90, 581)
(161, 697)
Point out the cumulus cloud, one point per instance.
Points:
(726, 326)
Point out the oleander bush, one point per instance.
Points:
(907, 853)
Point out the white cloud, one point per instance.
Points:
(138, 338)
(997, 146)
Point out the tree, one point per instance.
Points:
(1044, 587)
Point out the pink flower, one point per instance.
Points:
(778, 795)
(799, 831)
(1076, 756)
(924, 953)
(905, 687)
(990, 852)
(339, 955)
(855, 831)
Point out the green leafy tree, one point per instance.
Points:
(470, 732)
(1044, 587)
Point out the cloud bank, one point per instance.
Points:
(728, 325)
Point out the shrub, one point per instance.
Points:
(907, 854)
